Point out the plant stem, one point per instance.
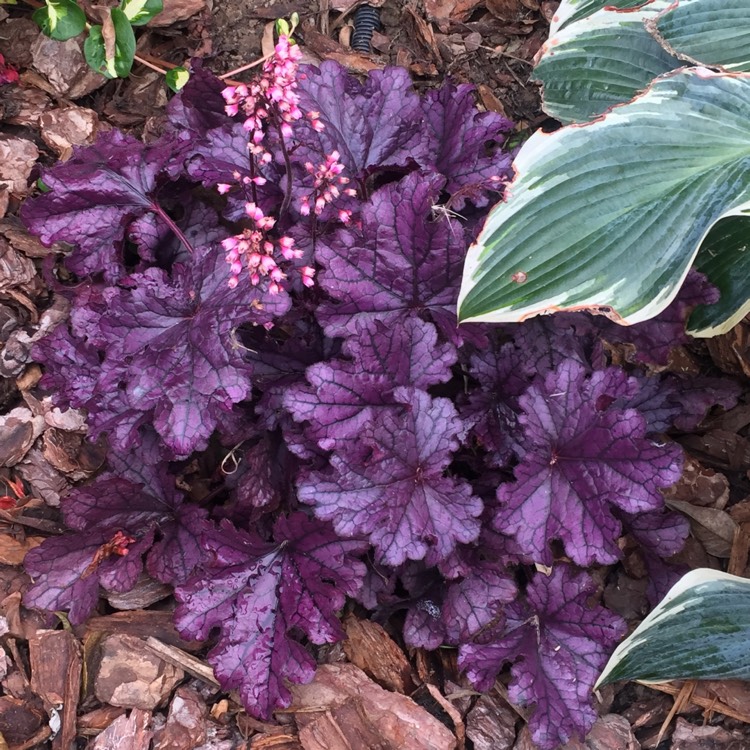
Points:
(145, 62)
(167, 219)
(242, 69)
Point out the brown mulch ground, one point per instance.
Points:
(126, 679)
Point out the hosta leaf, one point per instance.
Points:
(603, 60)
(712, 32)
(725, 258)
(573, 10)
(609, 216)
(699, 631)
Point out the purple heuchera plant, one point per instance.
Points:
(367, 445)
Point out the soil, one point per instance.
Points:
(489, 43)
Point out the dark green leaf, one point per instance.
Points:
(60, 19)
(140, 12)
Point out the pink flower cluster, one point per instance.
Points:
(328, 179)
(272, 101)
(255, 250)
(273, 94)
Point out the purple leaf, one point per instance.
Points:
(458, 146)
(469, 608)
(583, 456)
(491, 410)
(259, 595)
(393, 487)
(171, 349)
(660, 535)
(344, 395)
(68, 570)
(545, 341)
(654, 339)
(220, 156)
(694, 397)
(374, 124)
(93, 198)
(159, 245)
(258, 481)
(114, 503)
(199, 106)
(397, 265)
(558, 646)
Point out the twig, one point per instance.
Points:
(179, 658)
(225, 76)
(148, 64)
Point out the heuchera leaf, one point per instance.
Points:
(398, 264)
(169, 348)
(114, 503)
(68, 570)
(150, 515)
(93, 198)
(344, 395)
(583, 455)
(469, 607)
(260, 594)
(660, 535)
(654, 339)
(199, 106)
(392, 486)
(374, 124)
(464, 145)
(558, 646)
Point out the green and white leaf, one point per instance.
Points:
(710, 32)
(602, 60)
(725, 258)
(612, 213)
(95, 52)
(140, 12)
(570, 11)
(700, 631)
(176, 78)
(60, 19)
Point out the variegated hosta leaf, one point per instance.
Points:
(700, 631)
(573, 10)
(599, 61)
(611, 214)
(711, 32)
(725, 258)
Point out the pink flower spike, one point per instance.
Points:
(259, 180)
(307, 275)
(232, 110)
(223, 188)
(274, 288)
(233, 281)
(345, 216)
(229, 243)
